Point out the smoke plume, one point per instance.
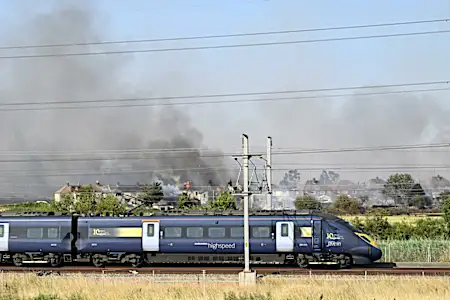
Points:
(38, 80)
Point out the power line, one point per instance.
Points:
(209, 169)
(105, 152)
(225, 46)
(227, 101)
(201, 96)
(363, 149)
(303, 167)
(203, 37)
(282, 152)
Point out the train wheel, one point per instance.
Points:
(345, 262)
(302, 261)
(18, 259)
(99, 260)
(55, 260)
(137, 262)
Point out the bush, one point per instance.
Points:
(380, 228)
(307, 202)
(346, 205)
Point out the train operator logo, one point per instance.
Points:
(216, 246)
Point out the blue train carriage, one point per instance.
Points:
(102, 240)
(300, 238)
(27, 239)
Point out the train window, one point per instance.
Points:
(305, 231)
(172, 232)
(35, 233)
(194, 232)
(237, 232)
(52, 233)
(150, 230)
(1, 230)
(284, 230)
(216, 232)
(261, 232)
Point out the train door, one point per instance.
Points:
(285, 236)
(150, 236)
(317, 234)
(4, 236)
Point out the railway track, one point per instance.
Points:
(369, 271)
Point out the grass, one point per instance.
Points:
(415, 250)
(31, 287)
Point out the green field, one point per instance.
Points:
(393, 219)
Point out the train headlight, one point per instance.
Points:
(367, 239)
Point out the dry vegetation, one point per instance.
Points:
(348, 288)
(395, 219)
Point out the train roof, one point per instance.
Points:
(196, 213)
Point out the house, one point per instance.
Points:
(128, 193)
(67, 188)
(331, 190)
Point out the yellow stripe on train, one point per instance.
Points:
(367, 239)
(129, 232)
(116, 232)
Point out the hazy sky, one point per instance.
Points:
(319, 123)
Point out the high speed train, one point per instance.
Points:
(300, 238)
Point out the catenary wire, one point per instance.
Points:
(284, 152)
(304, 166)
(226, 101)
(209, 169)
(54, 55)
(203, 37)
(201, 96)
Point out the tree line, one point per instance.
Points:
(376, 224)
(87, 201)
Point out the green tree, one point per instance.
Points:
(399, 187)
(223, 201)
(307, 202)
(427, 228)
(110, 204)
(86, 200)
(418, 201)
(364, 199)
(66, 203)
(290, 179)
(379, 227)
(152, 193)
(184, 201)
(346, 205)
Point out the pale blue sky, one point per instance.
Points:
(291, 67)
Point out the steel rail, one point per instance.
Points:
(429, 271)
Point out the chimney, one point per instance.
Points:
(67, 183)
(97, 182)
(118, 184)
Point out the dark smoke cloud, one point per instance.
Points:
(83, 78)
